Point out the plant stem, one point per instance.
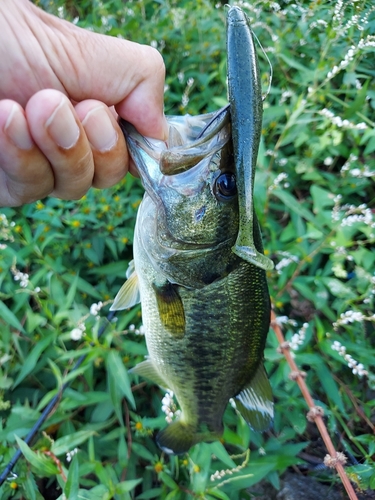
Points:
(310, 402)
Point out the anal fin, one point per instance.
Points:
(255, 402)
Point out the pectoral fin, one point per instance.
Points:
(128, 295)
(148, 370)
(255, 401)
(171, 309)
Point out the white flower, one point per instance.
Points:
(279, 178)
(298, 338)
(285, 261)
(77, 333)
(357, 368)
(285, 320)
(339, 122)
(70, 454)
(141, 330)
(339, 271)
(23, 278)
(95, 308)
(328, 161)
(285, 95)
(169, 407)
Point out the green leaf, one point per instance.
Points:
(126, 486)
(322, 198)
(99, 492)
(56, 371)
(174, 495)
(153, 493)
(46, 399)
(82, 285)
(220, 102)
(105, 410)
(370, 146)
(42, 464)
(142, 452)
(330, 386)
(293, 63)
(122, 452)
(57, 292)
(218, 494)
(359, 101)
(68, 443)
(30, 487)
(9, 317)
(91, 256)
(116, 368)
(112, 247)
(32, 359)
(221, 453)
(76, 373)
(295, 205)
(72, 483)
(71, 293)
(114, 268)
(167, 480)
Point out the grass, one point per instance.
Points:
(315, 200)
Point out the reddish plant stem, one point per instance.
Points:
(284, 346)
(57, 462)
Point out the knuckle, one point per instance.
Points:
(156, 61)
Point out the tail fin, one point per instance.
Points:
(178, 437)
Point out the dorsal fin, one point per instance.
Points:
(255, 401)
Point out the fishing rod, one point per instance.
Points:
(47, 410)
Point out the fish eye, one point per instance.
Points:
(225, 186)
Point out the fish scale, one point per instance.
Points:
(199, 267)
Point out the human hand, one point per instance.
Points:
(58, 131)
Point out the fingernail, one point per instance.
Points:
(99, 129)
(17, 130)
(62, 126)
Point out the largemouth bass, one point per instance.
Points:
(199, 268)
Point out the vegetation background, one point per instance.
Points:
(315, 201)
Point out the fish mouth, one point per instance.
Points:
(191, 139)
